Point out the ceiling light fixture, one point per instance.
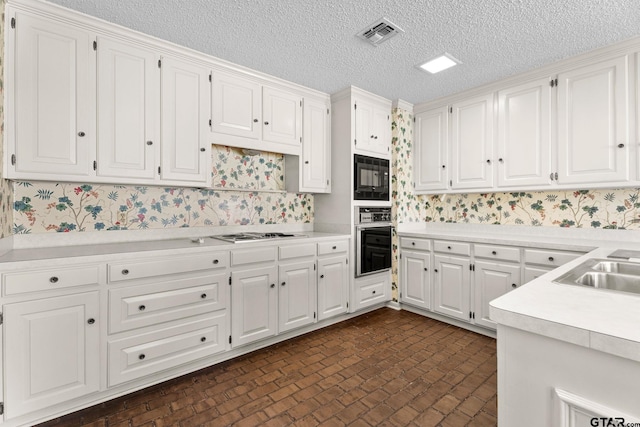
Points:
(440, 63)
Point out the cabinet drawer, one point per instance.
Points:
(458, 248)
(326, 248)
(549, 257)
(413, 243)
(140, 355)
(56, 278)
(505, 253)
(297, 251)
(252, 256)
(163, 266)
(371, 291)
(145, 305)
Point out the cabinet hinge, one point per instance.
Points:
(159, 170)
(355, 106)
(301, 140)
(355, 142)
(210, 76)
(95, 45)
(347, 304)
(1, 408)
(414, 120)
(314, 314)
(473, 315)
(400, 256)
(159, 63)
(1, 318)
(327, 111)
(470, 317)
(314, 267)
(229, 279)
(229, 339)
(95, 165)
(553, 82)
(13, 22)
(13, 159)
(450, 110)
(301, 103)
(450, 183)
(347, 261)
(209, 122)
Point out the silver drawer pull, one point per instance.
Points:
(203, 296)
(125, 272)
(373, 292)
(142, 308)
(413, 243)
(141, 357)
(53, 279)
(494, 253)
(334, 248)
(449, 247)
(215, 261)
(203, 339)
(550, 258)
(514, 285)
(273, 285)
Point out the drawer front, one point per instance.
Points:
(297, 251)
(413, 243)
(372, 290)
(327, 248)
(458, 248)
(549, 257)
(505, 253)
(163, 266)
(56, 278)
(145, 305)
(140, 355)
(251, 256)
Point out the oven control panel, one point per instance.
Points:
(370, 215)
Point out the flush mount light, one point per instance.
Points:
(440, 63)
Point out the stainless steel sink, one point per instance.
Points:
(619, 276)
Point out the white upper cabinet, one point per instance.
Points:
(186, 152)
(431, 132)
(314, 164)
(472, 143)
(50, 71)
(236, 106)
(248, 115)
(593, 144)
(372, 127)
(524, 134)
(282, 117)
(128, 110)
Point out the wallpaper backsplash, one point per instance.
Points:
(42, 207)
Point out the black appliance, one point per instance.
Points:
(371, 178)
(373, 240)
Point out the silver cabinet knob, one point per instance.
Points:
(149, 142)
(81, 134)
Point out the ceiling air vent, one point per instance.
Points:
(379, 31)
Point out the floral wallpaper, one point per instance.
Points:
(41, 207)
(5, 186)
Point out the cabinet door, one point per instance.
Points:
(524, 135)
(55, 351)
(236, 106)
(297, 295)
(51, 85)
(415, 279)
(531, 273)
(452, 286)
(430, 159)
(593, 144)
(372, 129)
(282, 117)
(472, 142)
(185, 112)
(491, 281)
(333, 282)
(128, 110)
(254, 304)
(316, 148)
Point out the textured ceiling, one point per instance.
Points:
(313, 43)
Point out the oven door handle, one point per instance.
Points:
(374, 225)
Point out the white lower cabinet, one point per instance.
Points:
(297, 295)
(452, 286)
(50, 351)
(254, 304)
(459, 279)
(492, 279)
(333, 286)
(372, 290)
(415, 279)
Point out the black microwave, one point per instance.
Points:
(371, 178)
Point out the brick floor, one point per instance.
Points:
(388, 367)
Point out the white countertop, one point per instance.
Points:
(603, 320)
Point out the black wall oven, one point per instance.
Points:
(371, 178)
(373, 240)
